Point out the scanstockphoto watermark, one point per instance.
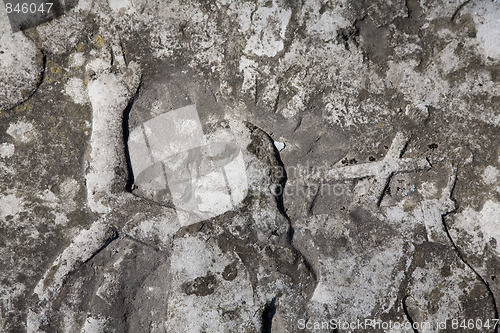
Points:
(308, 189)
(306, 179)
(366, 324)
(361, 325)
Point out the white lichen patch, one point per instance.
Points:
(490, 175)
(486, 17)
(249, 69)
(327, 23)
(94, 325)
(6, 150)
(76, 60)
(428, 190)
(61, 219)
(269, 27)
(22, 131)
(404, 76)
(10, 204)
(481, 227)
(120, 5)
(75, 88)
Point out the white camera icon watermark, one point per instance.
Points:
(170, 154)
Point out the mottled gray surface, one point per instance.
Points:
(382, 201)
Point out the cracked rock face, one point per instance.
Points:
(250, 166)
(222, 272)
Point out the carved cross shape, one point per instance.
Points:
(381, 171)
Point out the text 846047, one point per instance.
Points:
(28, 7)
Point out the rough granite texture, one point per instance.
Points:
(367, 135)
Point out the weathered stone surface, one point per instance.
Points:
(369, 183)
(21, 65)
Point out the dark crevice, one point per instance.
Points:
(407, 314)
(126, 132)
(386, 186)
(299, 257)
(277, 100)
(124, 54)
(313, 201)
(105, 245)
(256, 93)
(267, 316)
(462, 258)
(281, 208)
(44, 63)
(403, 149)
(408, 9)
(299, 123)
(112, 56)
(279, 195)
(42, 74)
(457, 12)
(41, 79)
(349, 34)
(404, 287)
(290, 234)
